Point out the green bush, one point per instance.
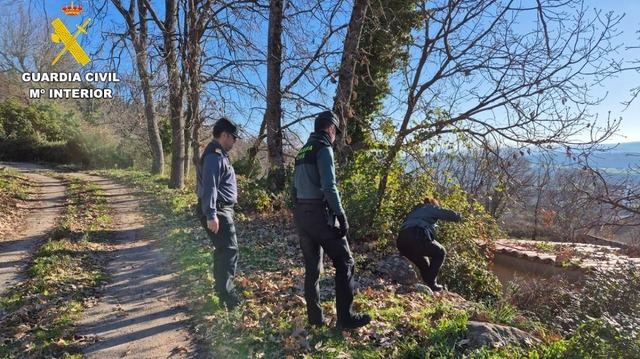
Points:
(602, 338)
(15, 150)
(252, 195)
(247, 167)
(97, 149)
(34, 123)
(614, 295)
(357, 182)
(42, 133)
(599, 316)
(466, 269)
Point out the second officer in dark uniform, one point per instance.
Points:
(217, 194)
(317, 209)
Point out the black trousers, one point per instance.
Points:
(416, 245)
(225, 254)
(316, 236)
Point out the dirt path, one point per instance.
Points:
(45, 206)
(138, 314)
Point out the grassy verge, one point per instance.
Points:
(272, 322)
(13, 189)
(37, 316)
(13, 184)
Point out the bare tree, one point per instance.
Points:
(273, 114)
(197, 13)
(573, 214)
(495, 175)
(305, 69)
(168, 28)
(138, 35)
(543, 177)
(25, 47)
(474, 72)
(230, 60)
(346, 74)
(621, 193)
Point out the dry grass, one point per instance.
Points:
(14, 190)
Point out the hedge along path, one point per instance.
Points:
(45, 207)
(139, 314)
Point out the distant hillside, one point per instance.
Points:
(614, 160)
(628, 147)
(620, 160)
(622, 156)
(617, 158)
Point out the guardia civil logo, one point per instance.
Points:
(70, 85)
(62, 35)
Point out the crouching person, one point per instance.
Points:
(417, 239)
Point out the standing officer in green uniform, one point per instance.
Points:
(217, 194)
(317, 209)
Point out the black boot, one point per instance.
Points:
(435, 287)
(356, 321)
(316, 320)
(231, 301)
(317, 323)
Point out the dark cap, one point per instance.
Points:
(326, 118)
(226, 125)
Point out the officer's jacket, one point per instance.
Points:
(216, 179)
(314, 176)
(426, 216)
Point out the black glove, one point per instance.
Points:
(293, 197)
(344, 225)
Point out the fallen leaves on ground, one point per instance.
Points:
(14, 190)
(65, 274)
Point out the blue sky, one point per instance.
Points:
(614, 90)
(617, 89)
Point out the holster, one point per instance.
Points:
(332, 218)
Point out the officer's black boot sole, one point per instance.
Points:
(231, 305)
(231, 301)
(356, 322)
(316, 322)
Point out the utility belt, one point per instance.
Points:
(223, 205)
(219, 206)
(329, 216)
(312, 201)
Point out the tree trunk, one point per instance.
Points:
(273, 114)
(175, 96)
(194, 23)
(536, 210)
(157, 167)
(194, 114)
(187, 145)
(255, 147)
(346, 74)
(139, 41)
